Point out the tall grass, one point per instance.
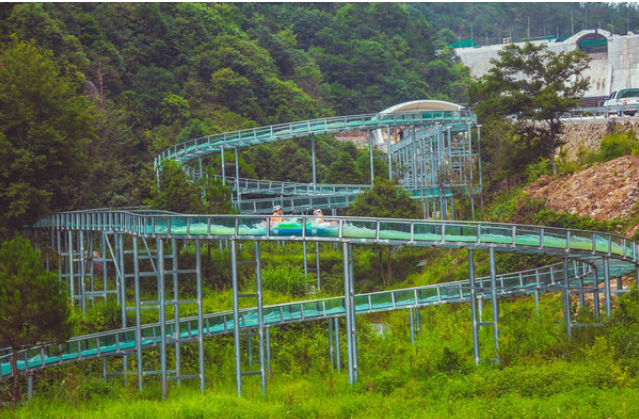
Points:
(542, 374)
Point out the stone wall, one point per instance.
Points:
(587, 133)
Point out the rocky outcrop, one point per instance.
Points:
(605, 191)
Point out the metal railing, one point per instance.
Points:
(192, 149)
(123, 341)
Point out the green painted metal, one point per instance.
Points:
(611, 255)
(425, 179)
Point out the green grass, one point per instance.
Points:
(543, 374)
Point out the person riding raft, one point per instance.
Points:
(277, 215)
(319, 216)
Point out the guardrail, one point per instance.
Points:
(124, 341)
(389, 231)
(192, 149)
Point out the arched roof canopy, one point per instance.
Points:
(416, 106)
(424, 105)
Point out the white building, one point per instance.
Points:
(614, 65)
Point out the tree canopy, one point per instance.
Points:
(33, 302)
(45, 128)
(385, 200)
(177, 193)
(531, 83)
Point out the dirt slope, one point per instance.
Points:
(605, 192)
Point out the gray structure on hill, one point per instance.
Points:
(614, 65)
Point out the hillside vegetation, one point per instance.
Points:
(112, 84)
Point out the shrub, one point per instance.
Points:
(285, 278)
(535, 170)
(617, 144)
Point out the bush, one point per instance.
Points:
(535, 170)
(617, 144)
(286, 278)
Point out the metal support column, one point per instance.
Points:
(388, 152)
(237, 179)
(412, 325)
(481, 186)
(260, 316)
(566, 297)
(236, 318)
(138, 310)
(313, 164)
(370, 152)
(119, 250)
(351, 334)
(473, 304)
(223, 166)
(71, 254)
(495, 301)
(606, 265)
(415, 326)
(413, 159)
(82, 259)
(162, 309)
(338, 356)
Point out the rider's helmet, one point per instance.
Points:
(277, 208)
(317, 212)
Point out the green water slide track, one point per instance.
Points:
(299, 197)
(590, 257)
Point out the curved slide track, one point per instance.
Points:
(432, 157)
(589, 258)
(435, 154)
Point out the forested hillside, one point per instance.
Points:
(151, 75)
(157, 74)
(91, 92)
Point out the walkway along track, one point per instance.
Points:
(150, 240)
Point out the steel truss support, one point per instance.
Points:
(477, 311)
(581, 272)
(349, 305)
(238, 321)
(149, 263)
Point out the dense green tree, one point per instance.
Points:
(265, 162)
(34, 304)
(174, 108)
(385, 200)
(45, 127)
(296, 163)
(175, 191)
(551, 86)
(344, 170)
(380, 167)
(180, 194)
